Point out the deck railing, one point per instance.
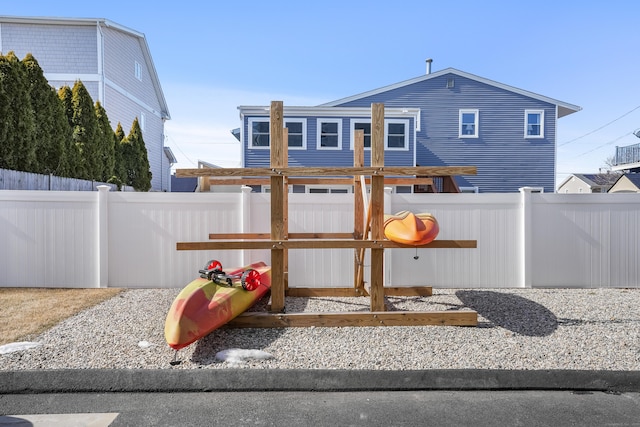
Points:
(627, 155)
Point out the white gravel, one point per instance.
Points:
(518, 329)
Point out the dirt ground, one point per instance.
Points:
(27, 312)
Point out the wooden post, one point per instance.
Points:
(377, 207)
(285, 203)
(358, 208)
(277, 145)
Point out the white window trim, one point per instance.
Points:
(329, 189)
(143, 122)
(476, 123)
(406, 122)
(352, 130)
(137, 71)
(250, 122)
(473, 189)
(304, 133)
(526, 124)
(406, 134)
(319, 133)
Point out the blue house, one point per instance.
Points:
(445, 118)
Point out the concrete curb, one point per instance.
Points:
(204, 380)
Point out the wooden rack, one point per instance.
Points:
(279, 240)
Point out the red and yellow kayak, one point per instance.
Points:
(204, 305)
(411, 229)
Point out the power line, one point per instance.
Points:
(180, 149)
(600, 146)
(601, 127)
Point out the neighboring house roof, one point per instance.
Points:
(169, 153)
(626, 182)
(106, 23)
(564, 108)
(593, 180)
(599, 179)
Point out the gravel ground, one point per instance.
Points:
(518, 329)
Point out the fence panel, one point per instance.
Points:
(145, 227)
(586, 240)
(48, 239)
(491, 219)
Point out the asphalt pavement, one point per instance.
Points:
(236, 397)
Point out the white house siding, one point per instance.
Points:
(121, 52)
(125, 111)
(132, 97)
(58, 48)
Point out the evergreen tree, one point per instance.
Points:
(52, 130)
(17, 124)
(74, 164)
(107, 143)
(120, 170)
(136, 159)
(85, 132)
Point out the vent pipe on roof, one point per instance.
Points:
(429, 61)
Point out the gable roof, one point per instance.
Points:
(164, 109)
(564, 108)
(633, 178)
(593, 179)
(598, 179)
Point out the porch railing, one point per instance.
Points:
(627, 155)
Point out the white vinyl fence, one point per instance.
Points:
(116, 239)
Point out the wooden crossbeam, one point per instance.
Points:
(368, 318)
(318, 244)
(316, 181)
(325, 292)
(259, 236)
(397, 291)
(339, 171)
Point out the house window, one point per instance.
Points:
(329, 134)
(469, 189)
(259, 133)
(338, 189)
(138, 70)
(297, 133)
(468, 124)
(534, 124)
(397, 135)
(365, 125)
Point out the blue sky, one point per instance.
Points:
(212, 56)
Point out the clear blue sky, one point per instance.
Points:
(212, 56)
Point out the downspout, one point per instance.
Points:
(100, 47)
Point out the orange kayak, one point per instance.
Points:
(207, 303)
(411, 229)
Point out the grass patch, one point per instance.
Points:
(27, 312)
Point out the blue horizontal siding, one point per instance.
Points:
(505, 160)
